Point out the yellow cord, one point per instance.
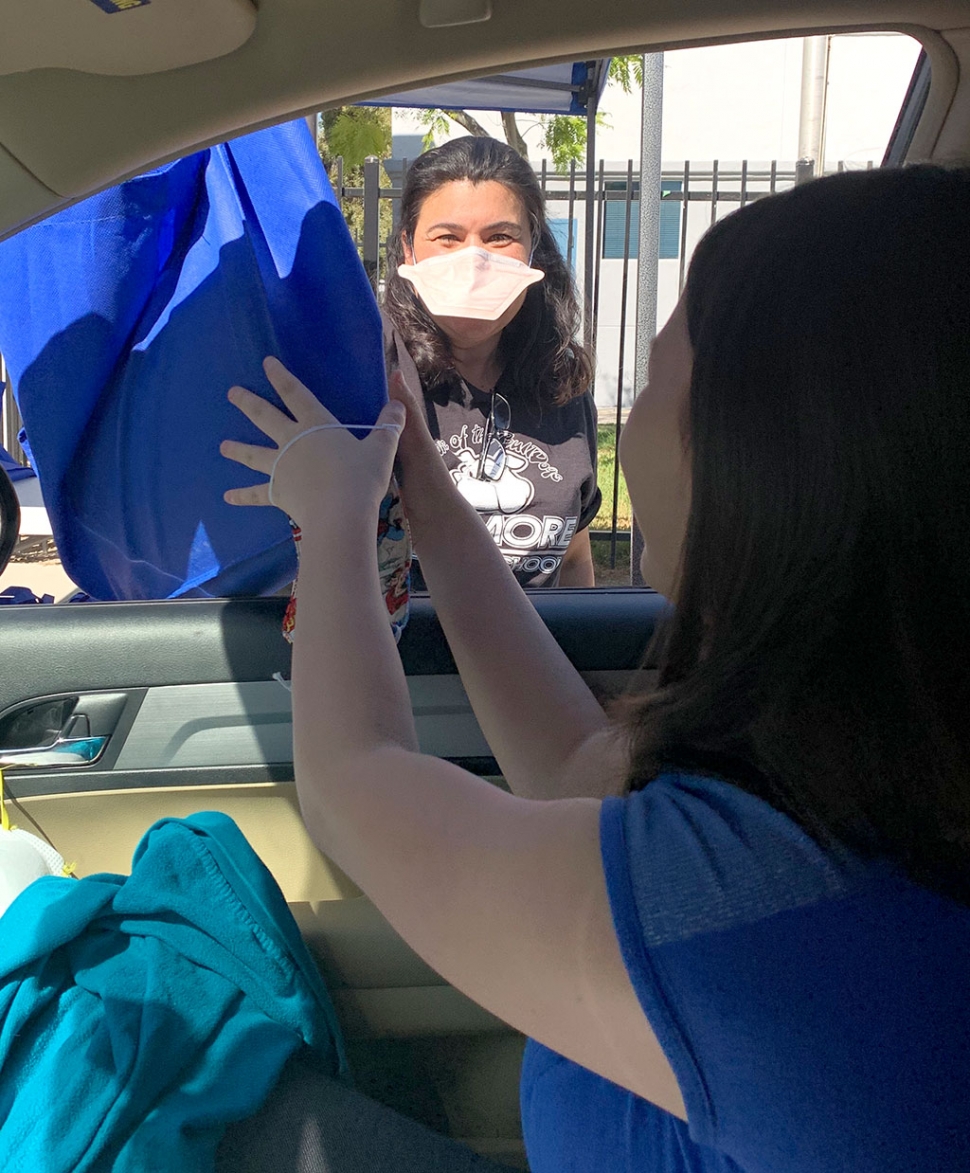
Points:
(69, 869)
(4, 817)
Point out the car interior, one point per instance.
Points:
(113, 715)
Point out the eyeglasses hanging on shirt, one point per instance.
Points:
(491, 462)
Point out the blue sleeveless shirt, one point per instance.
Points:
(815, 1010)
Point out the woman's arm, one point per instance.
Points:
(577, 564)
(506, 898)
(534, 708)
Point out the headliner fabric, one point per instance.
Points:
(124, 321)
(140, 1015)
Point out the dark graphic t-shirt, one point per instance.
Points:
(547, 492)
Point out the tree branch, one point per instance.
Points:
(515, 139)
(472, 125)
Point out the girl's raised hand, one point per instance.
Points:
(317, 469)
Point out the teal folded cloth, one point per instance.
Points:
(141, 1014)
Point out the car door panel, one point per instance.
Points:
(191, 693)
(188, 699)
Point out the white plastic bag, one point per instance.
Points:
(23, 859)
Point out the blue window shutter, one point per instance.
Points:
(614, 222)
(559, 227)
(670, 212)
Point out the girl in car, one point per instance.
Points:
(735, 923)
(480, 317)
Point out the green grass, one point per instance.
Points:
(606, 439)
(606, 575)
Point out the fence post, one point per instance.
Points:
(684, 210)
(714, 191)
(590, 259)
(628, 209)
(372, 218)
(569, 214)
(804, 171)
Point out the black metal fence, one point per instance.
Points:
(707, 190)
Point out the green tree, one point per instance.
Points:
(563, 135)
(352, 133)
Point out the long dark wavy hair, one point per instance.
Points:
(819, 654)
(543, 360)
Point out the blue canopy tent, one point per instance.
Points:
(571, 87)
(568, 88)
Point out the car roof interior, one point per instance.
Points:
(93, 91)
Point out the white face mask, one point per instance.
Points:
(469, 282)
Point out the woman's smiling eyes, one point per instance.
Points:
(499, 238)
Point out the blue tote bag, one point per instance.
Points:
(125, 319)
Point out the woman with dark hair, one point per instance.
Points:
(481, 318)
(737, 923)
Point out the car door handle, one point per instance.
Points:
(65, 751)
(63, 732)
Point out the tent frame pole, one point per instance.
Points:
(589, 240)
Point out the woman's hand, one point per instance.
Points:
(323, 474)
